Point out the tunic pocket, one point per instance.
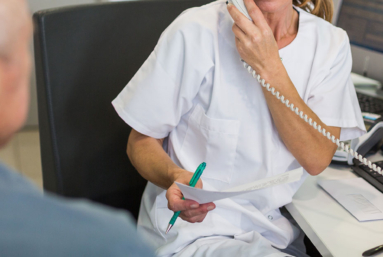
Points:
(213, 141)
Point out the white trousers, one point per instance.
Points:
(255, 245)
(221, 246)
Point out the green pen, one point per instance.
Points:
(192, 183)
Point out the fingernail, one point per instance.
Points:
(211, 207)
(194, 206)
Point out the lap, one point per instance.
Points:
(254, 246)
(258, 246)
(229, 246)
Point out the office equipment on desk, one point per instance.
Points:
(371, 106)
(364, 82)
(358, 197)
(369, 175)
(372, 110)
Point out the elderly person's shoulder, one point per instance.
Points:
(33, 223)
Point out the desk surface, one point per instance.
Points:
(331, 228)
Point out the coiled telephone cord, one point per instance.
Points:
(312, 123)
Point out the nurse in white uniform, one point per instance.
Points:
(192, 102)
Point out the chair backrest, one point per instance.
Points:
(84, 56)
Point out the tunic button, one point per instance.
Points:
(270, 217)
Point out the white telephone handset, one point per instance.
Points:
(241, 7)
(345, 147)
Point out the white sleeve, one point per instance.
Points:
(164, 87)
(334, 99)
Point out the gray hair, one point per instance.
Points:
(14, 17)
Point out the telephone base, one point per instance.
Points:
(369, 175)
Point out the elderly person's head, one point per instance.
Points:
(15, 62)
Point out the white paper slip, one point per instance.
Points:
(357, 196)
(206, 196)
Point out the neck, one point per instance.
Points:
(282, 19)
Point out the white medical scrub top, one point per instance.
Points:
(194, 91)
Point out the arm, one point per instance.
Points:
(311, 149)
(152, 162)
(148, 157)
(257, 46)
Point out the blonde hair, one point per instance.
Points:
(321, 8)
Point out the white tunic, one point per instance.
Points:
(194, 91)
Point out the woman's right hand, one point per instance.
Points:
(191, 211)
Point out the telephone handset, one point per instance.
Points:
(344, 147)
(241, 7)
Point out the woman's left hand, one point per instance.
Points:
(254, 39)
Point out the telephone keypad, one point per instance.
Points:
(369, 175)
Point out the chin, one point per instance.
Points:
(4, 140)
(14, 124)
(272, 6)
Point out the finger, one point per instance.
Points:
(238, 44)
(175, 202)
(241, 20)
(199, 184)
(255, 13)
(202, 209)
(239, 34)
(194, 219)
(201, 218)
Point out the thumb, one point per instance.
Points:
(199, 184)
(175, 201)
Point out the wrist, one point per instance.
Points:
(174, 173)
(272, 70)
(279, 79)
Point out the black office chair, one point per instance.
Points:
(84, 56)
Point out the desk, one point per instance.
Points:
(332, 229)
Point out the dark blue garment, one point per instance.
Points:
(37, 224)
